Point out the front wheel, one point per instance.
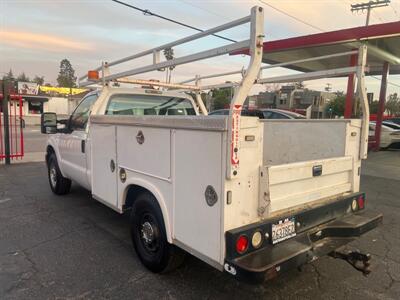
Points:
(149, 237)
(58, 183)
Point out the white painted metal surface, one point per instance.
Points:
(197, 224)
(103, 161)
(293, 184)
(152, 157)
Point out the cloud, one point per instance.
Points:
(30, 40)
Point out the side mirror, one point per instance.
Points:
(48, 123)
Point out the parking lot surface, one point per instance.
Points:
(73, 247)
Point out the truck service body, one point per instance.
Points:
(248, 196)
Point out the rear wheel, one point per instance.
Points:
(149, 237)
(58, 183)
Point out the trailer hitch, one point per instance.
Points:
(358, 260)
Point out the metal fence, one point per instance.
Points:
(11, 126)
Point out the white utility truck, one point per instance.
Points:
(250, 197)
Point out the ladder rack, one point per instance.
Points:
(250, 76)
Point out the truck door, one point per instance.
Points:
(73, 146)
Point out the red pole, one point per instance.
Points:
(350, 88)
(1, 132)
(15, 127)
(21, 129)
(10, 124)
(381, 107)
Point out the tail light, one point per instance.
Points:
(242, 243)
(361, 202)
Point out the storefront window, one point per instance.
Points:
(35, 107)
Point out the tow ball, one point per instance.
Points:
(358, 260)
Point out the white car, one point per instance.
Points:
(389, 135)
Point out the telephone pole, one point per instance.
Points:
(368, 6)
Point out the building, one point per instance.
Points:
(39, 99)
(291, 98)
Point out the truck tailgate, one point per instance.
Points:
(288, 185)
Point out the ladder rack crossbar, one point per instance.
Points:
(290, 78)
(284, 64)
(184, 40)
(177, 61)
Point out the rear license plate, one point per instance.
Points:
(283, 230)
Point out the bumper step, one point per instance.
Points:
(305, 247)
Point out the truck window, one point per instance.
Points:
(140, 105)
(80, 116)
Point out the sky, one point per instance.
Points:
(35, 35)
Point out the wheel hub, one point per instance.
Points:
(147, 233)
(53, 176)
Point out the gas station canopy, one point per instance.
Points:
(383, 42)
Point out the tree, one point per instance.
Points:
(23, 78)
(66, 76)
(336, 106)
(38, 79)
(221, 97)
(339, 93)
(373, 107)
(393, 104)
(9, 75)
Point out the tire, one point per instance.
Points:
(149, 237)
(58, 183)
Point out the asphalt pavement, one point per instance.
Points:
(73, 247)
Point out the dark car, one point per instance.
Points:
(391, 124)
(267, 113)
(394, 120)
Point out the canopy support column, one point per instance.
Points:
(381, 107)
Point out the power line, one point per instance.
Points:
(292, 16)
(394, 10)
(379, 17)
(217, 14)
(392, 83)
(147, 12)
(204, 9)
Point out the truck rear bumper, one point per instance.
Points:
(267, 262)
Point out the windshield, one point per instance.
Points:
(139, 105)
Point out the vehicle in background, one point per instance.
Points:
(268, 113)
(390, 137)
(391, 125)
(394, 120)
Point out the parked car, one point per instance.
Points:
(389, 136)
(394, 120)
(391, 124)
(263, 113)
